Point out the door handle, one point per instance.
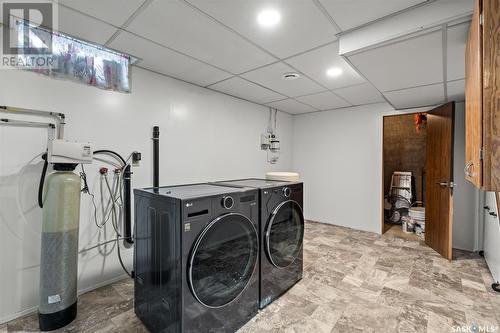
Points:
(446, 184)
(467, 168)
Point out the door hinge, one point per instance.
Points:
(481, 154)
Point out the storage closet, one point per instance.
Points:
(404, 169)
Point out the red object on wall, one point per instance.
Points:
(420, 121)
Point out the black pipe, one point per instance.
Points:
(156, 156)
(42, 180)
(127, 214)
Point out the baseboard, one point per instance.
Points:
(33, 309)
(19, 314)
(462, 249)
(103, 283)
(342, 226)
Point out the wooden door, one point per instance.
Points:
(491, 94)
(439, 184)
(474, 101)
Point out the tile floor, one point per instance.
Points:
(354, 281)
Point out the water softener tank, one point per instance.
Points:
(59, 254)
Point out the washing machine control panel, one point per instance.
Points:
(287, 191)
(227, 202)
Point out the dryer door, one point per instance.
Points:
(223, 260)
(285, 234)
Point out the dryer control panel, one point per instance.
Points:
(227, 202)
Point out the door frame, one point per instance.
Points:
(382, 226)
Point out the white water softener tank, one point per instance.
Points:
(59, 254)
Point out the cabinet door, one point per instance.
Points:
(492, 236)
(474, 100)
(491, 94)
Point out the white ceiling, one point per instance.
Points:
(292, 106)
(409, 63)
(324, 101)
(302, 25)
(166, 61)
(115, 12)
(315, 63)
(417, 96)
(270, 76)
(242, 88)
(349, 14)
(218, 44)
(422, 69)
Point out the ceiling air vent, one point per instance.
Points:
(290, 76)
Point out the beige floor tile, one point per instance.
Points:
(354, 281)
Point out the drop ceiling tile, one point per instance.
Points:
(291, 106)
(84, 27)
(271, 77)
(456, 91)
(165, 61)
(77, 25)
(349, 14)
(115, 12)
(457, 38)
(302, 26)
(416, 97)
(177, 25)
(315, 64)
(409, 63)
(323, 101)
(360, 94)
(238, 87)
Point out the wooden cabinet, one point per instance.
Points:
(482, 97)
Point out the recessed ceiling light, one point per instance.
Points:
(290, 76)
(334, 71)
(269, 18)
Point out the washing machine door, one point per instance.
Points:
(223, 260)
(284, 234)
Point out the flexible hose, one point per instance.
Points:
(107, 151)
(131, 274)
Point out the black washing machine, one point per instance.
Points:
(281, 234)
(196, 258)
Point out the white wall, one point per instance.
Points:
(205, 136)
(465, 195)
(339, 156)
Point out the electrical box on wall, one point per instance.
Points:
(269, 141)
(265, 141)
(61, 151)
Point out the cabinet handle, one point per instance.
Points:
(493, 214)
(467, 171)
(446, 184)
(487, 208)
